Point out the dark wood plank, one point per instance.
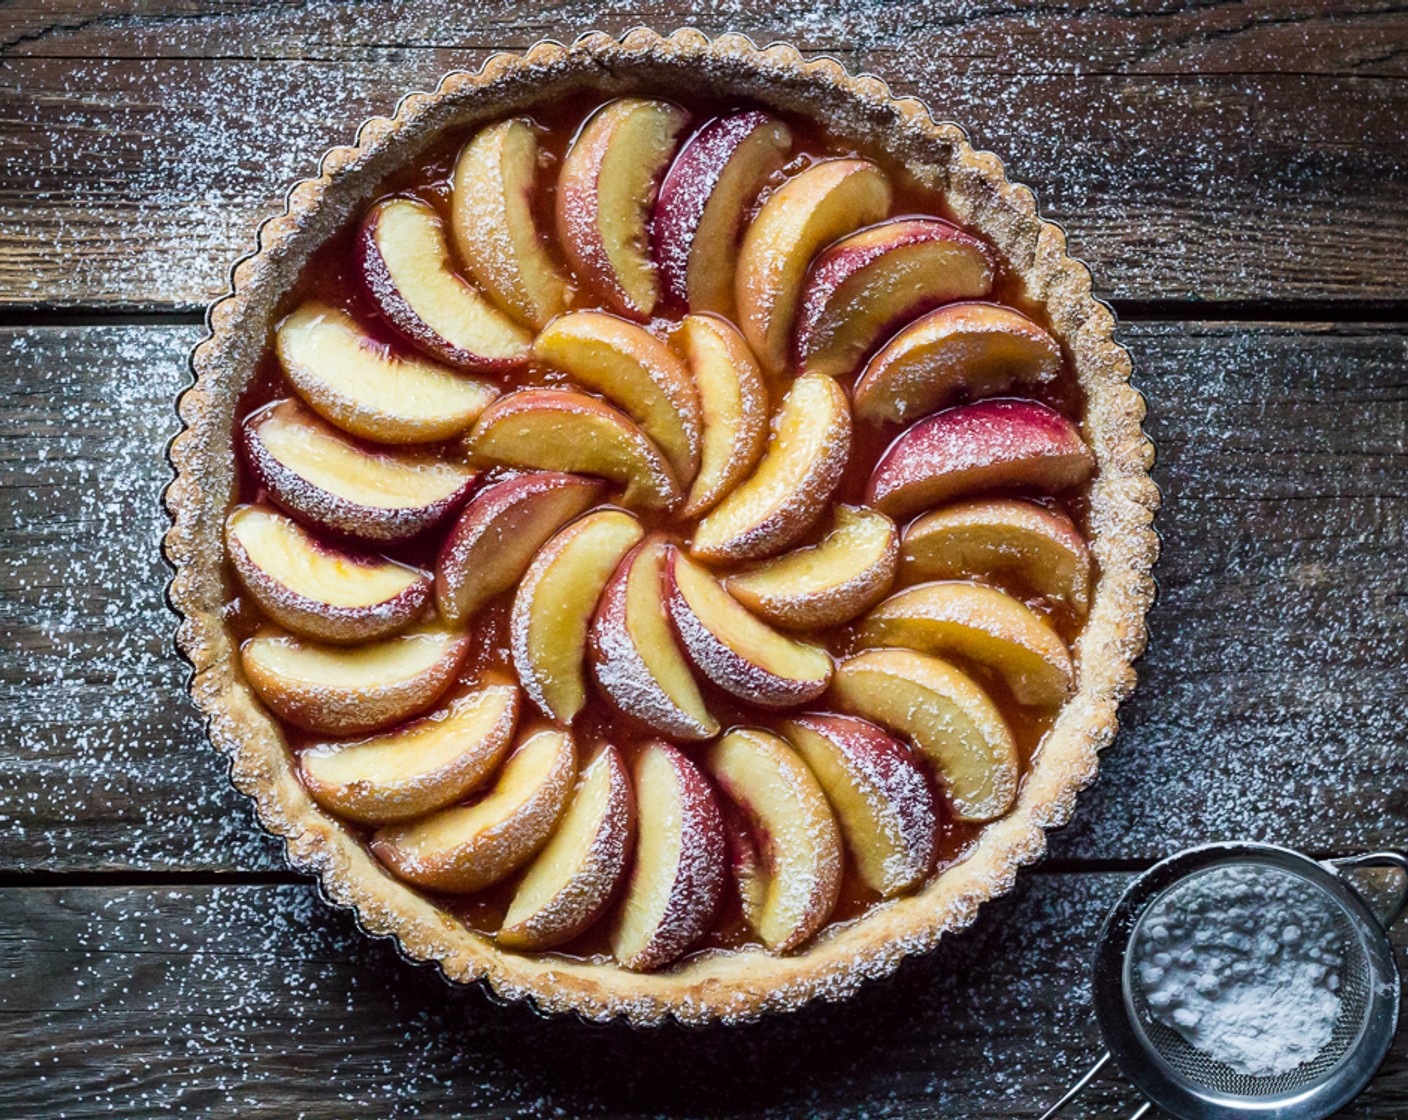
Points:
(1271, 702)
(1217, 152)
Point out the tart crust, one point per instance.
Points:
(716, 986)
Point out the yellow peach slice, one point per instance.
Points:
(314, 471)
(785, 804)
(948, 718)
(1039, 547)
(554, 605)
(635, 371)
(734, 403)
(469, 847)
(978, 349)
(348, 690)
(826, 583)
(317, 589)
(605, 194)
(366, 388)
(495, 228)
(735, 650)
(571, 882)
(677, 875)
(636, 658)
(826, 201)
(552, 429)
(409, 276)
(792, 486)
(419, 766)
(862, 288)
(982, 624)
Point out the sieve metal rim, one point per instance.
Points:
(1172, 1092)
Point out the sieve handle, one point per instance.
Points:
(1380, 860)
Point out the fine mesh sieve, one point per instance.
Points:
(1187, 1083)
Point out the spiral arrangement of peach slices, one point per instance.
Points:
(687, 649)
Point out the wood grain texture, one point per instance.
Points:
(1270, 705)
(260, 1002)
(1219, 152)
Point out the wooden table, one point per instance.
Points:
(1237, 175)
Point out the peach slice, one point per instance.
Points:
(317, 589)
(553, 429)
(469, 847)
(419, 766)
(500, 530)
(738, 652)
(750, 875)
(704, 195)
(861, 289)
(571, 881)
(792, 486)
(826, 583)
(812, 209)
(951, 721)
(976, 348)
(982, 624)
(493, 222)
(635, 656)
(1038, 546)
(554, 606)
(881, 798)
(605, 194)
(407, 272)
(366, 388)
(734, 403)
(801, 845)
(978, 447)
(349, 690)
(680, 861)
(315, 472)
(635, 371)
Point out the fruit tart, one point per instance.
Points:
(661, 526)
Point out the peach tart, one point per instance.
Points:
(662, 527)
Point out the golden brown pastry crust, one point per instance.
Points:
(724, 986)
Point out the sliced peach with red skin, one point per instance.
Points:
(792, 485)
(559, 430)
(605, 193)
(812, 209)
(498, 533)
(952, 722)
(347, 487)
(635, 656)
(408, 274)
(800, 842)
(977, 349)
(572, 880)
(366, 388)
(553, 608)
(734, 408)
(469, 847)
(745, 861)
(826, 583)
(860, 290)
(981, 624)
(879, 793)
(1038, 546)
(318, 589)
(734, 649)
(995, 443)
(417, 767)
(494, 224)
(680, 861)
(699, 214)
(635, 371)
(349, 690)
